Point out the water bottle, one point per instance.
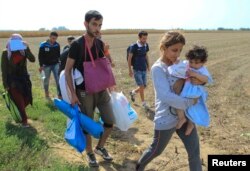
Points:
(43, 75)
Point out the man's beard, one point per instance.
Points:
(91, 34)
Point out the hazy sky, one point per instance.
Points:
(156, 14)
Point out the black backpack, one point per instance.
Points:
(63, 59)
(134, 54)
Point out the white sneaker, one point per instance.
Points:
(132, 96)
(104, 153)
(92, 160)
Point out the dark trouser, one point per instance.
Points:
(102, 101)
(21, 103)
(160, 141)
(47, 70)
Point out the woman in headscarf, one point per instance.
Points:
(15, 75)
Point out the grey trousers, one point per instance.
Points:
(160, 141)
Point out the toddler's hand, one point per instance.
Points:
(191, 73)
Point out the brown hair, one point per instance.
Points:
(53, 33)
(171, 38)
(142, 33)
(93, 14)
(197, 53)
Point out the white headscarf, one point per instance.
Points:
(14, 37)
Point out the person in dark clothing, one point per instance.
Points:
(49, 54)
(70, 39)
(138, 70)
(63, 58)
(15, 75)
(88, 102)
(64, 54)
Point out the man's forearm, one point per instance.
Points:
(147, 60)
(129, 62)
(69, 81)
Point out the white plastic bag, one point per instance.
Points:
(124, 114)
(66, 94)
(77, 79)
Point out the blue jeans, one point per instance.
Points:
(161, 140)
(140, 78)
(47, 70)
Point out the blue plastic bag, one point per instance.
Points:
(65, 108)
(197, 113)
(90, 126)
(87, 124)
(74, 135)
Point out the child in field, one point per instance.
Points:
(192, 68)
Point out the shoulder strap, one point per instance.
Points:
(87, 48)
(97, 47)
